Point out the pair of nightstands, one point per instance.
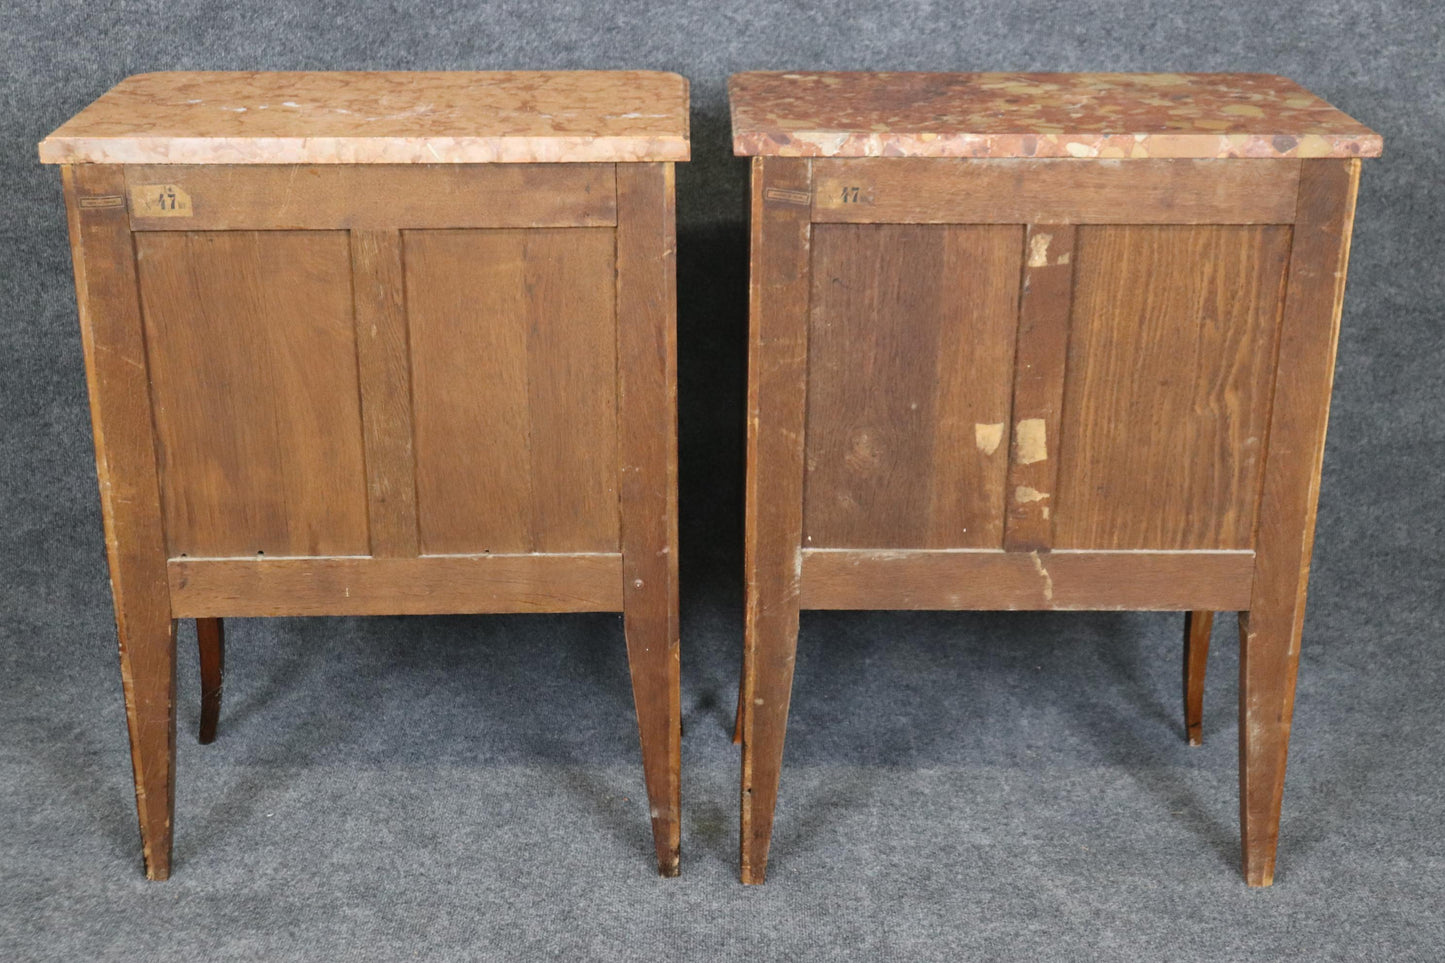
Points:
(404, 343)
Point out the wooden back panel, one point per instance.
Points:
(1166, 400)
(1125, 410)
(514, 368)
(910, 347)
(396, 384)
(252, 357)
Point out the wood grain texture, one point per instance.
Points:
(1197, 626)
(990, 579)
(382, 197)
(943, 191)
(647, 424)
(383, 364)
(1171, 358)
(252, 357)
(1270, 631)
(1040, 361)
(437, 585)
(773, 514)
(514, 373)
(910, 351)
(211, 651)
(113, 338)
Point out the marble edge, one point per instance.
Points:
(643, 72)
(844, 144)
(365, 150)
(750, 140)
(59, 147)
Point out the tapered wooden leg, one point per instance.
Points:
(211, 644)
(148, 676)
(772, 642)
(1269, 663)
(653, 659)
(647, 416)
(777, 359)
(125, 457)
(1197, 626)
(1270, 631)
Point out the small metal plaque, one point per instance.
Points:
(786, 196)
(160, 200)
(101, 202)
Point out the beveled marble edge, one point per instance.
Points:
(749, 143)
(362, 150)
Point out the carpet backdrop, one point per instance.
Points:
(957, 785)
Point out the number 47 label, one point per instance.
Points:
(160, 200)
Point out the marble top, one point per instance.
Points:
(380, 118)
(1037, 115)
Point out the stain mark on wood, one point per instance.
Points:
(988, 437)
(1031, 438)
(1039, 249)
(1044, 575)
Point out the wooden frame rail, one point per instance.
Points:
(377, 196)
(364, 585)
(943, 191)
(989, 579)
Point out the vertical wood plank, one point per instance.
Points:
(572, 389)
(384, 369)
(125, 455)
(514, 386)
(773, 520)
(252, 354)
(909, 349)
(1171, 347)
(647, 433)
(1270, 630)
(1040, 358)
(469, 387)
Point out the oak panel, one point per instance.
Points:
(373, 196)
(910, 356)
(514, 374)
(983, 580)
(945, 191)
(451, 584)
(1171, 354)
(252, 356)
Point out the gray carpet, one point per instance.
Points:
(957, 786)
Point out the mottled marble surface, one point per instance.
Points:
(380, 118)
(1037, 115)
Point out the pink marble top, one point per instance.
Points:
(1037, 115)
(380, 118)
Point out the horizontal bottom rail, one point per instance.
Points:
(990, 579)
(362, 585)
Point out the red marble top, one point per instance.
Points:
(1037, 115)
